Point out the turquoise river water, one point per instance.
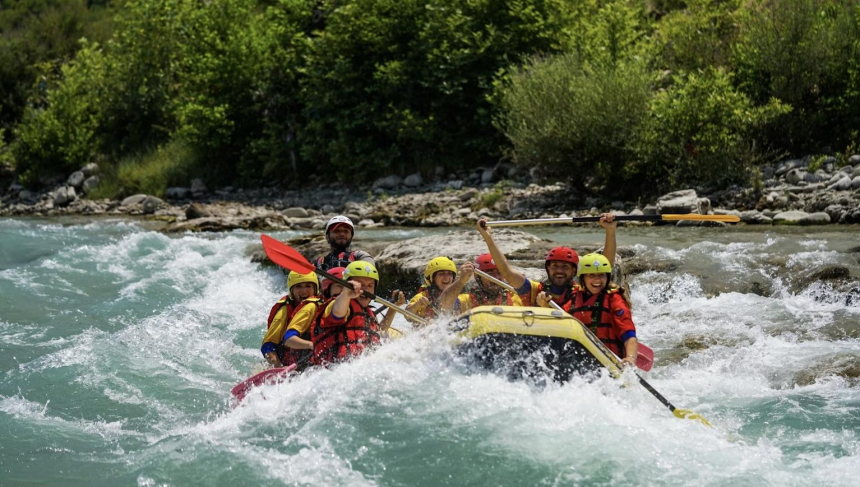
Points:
(119, 345)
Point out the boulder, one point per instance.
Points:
(295, 212)
(388, 182)
(198, 188)
(789, 217)
(842, 185)
(64, 196)
(684, 201)
(794, 176)
(151, 204)
(856, 171)
(133, 200)
(196, 210)
(854, 160)
(855, 183)
(413, 180)
(847, 169)
(786, 166)
(90, 169)
(76, 179)
(90, 183)
(177, 193)
(819, 218)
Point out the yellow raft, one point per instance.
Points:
(531, 342)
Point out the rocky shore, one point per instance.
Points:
(791, 193)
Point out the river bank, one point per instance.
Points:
(790, 193)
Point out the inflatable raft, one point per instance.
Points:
(531, 342)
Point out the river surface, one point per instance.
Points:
(119, 345)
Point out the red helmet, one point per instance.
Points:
(485, 262)
(326, 282)
(565, 254)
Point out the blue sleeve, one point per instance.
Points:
(289, 334)
(526, 288)
(268, 348)
(628, 335)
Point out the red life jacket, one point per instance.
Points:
(285, 301)
(594, 311)
(484, 299)
(333, 260)
(432, 310)
(337, 342)
(301, 358)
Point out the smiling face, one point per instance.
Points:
(594, 283)
(340, 236)
(303, 290)
(443, 279)
(560, 273)
(367, 284)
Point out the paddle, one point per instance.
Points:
(270, 376)
(644, 360)
(678, 413)
(619, 218)
(289, 258)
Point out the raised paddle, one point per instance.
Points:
(289, 258)
(270, 376)
(619, 218)
(677, 412)
(645, 359)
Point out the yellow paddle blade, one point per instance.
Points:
(703, 218)
(687, 414)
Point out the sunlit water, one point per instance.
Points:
(119, 345)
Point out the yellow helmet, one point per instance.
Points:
(361, 268)
(594, 264)
(436, 265)
(296, 278)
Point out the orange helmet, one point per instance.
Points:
(565, 254)
(485, 262)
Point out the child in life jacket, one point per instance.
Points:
(290, 319)
(603, 306)
(484, 292)
(349, 326)
(439, 273)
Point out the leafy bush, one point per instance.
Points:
(150, 172)
(698, 37)
(575, 120)
(702, 131)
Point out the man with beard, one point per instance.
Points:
(560, 265)
(338, 233)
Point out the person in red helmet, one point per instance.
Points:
(483, 293)
(338, 233)
(560, 265)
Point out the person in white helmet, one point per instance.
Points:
(338, 233)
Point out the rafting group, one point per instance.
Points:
(323, 322)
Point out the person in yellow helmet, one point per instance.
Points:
(290, 320)
(349, 325)
(603, 306)
(439, 273)
(483, 292)
(560, 265)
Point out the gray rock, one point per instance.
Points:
(819, 218)
(847, 169)
(636, 212)
(684, 201)
(786, 166)
(468, 194)
(90, 169)
(817, 177)
(455, 184)
(856, 171)
(841, 185)
(76, 179)
(790, 217)
(151, 204)
(835, 212)
(90, 183)
(388, 182)
(855, 183)
(488, 176)
(133, 200)
(196, 210)
(651, 210)
(794, 176)
(177, 193)
(25, 194)
(722, 211)
(64, 196)
(367, 222)
(854, 160)
(413, 180)
(198, 188)
(754, 217)
(295, 212)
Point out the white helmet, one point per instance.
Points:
(339, 219)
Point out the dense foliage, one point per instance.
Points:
(607, 93)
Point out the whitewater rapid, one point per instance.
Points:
(118, 347)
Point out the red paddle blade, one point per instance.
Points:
(286, 256)
(645, 359)
(270, 376)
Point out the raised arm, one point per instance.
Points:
(607, 221)
(449, 295)
(514, 278)
(399, 299)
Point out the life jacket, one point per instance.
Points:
(594, 311)
(339, 342)
(482, 298)
(301, 358)
(432, 310)
(332, 260)
(285, 301)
